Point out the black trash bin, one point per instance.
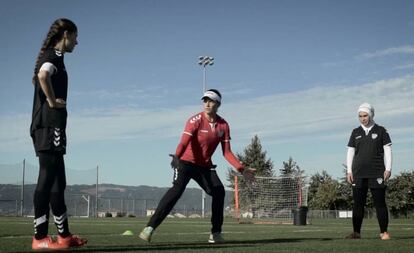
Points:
(299, 216)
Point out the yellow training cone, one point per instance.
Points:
(128, 232)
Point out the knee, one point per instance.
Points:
(380, 204)
(218, 192)
(44, 186)
(176, 191)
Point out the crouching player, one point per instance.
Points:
(192, 160)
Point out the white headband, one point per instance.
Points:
(365, 107)
(212, 95)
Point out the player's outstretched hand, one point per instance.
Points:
(175, 161)
(248, 175)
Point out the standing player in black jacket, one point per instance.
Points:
(48, 131)
(369, 162)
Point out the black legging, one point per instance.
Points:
(207, 179)
(360, 197)
(50, 189)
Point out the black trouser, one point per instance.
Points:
(50, 189)
(207, 179)
(360, 192)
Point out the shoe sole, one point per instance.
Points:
(142, 237)
(215, 242)
(50, 249)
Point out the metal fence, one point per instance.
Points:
(84, 205)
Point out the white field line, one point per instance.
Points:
(168, 234)
(198, 233)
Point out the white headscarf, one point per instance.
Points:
(365, 107)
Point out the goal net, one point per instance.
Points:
(269, 199)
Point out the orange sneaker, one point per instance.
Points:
(71, 241)
(46, 244)
(385, 236)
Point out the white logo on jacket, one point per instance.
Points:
(195, 118)
(374, 136)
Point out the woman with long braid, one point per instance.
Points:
(48, 133)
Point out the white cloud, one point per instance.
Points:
(321, 112)
(405, 66)
(389, 51)
(131, 92)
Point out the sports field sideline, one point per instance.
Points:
(190, 235)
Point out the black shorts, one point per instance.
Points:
(369, 183)
(49, 139)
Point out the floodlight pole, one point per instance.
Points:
(203, 201)
(22, 190)
(205, 61)
(96, 191)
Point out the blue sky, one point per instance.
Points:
(292, 72)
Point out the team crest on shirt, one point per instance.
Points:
(380, 180)
(374, 136)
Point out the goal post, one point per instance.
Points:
(269, 199)
(78, 205)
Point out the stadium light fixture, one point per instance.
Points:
(205, 61)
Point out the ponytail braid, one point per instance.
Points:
(55, 34)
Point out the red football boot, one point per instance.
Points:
(47, 244)
(71, 241)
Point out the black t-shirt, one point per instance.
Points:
(369, 151)
(46, 120)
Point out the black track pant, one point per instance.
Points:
(50, 189)
(360, 197)
(207, 179)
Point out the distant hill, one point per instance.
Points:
(114, 198)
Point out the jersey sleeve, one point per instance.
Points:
(351, 142)
(226, 135)
(230, 157)
(48, 67)
(192, 125)
(386, 140)
(228, 154)
(181, 147)
(48, 61)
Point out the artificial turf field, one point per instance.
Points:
(190, 235)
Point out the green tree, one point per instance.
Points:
(323, 191)
(315, 181)
(292, 177)
(253, 157)
(344, 201)
(290, 168)
(400, 197)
